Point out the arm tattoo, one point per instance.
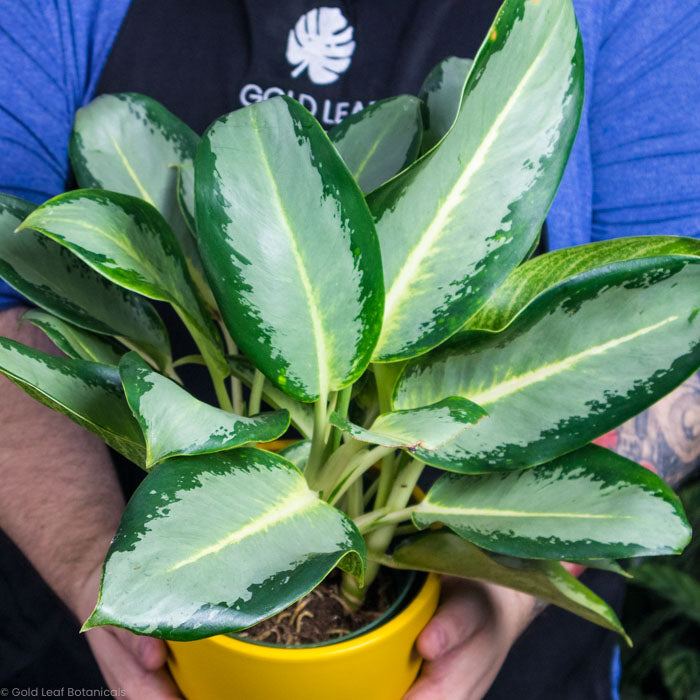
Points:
(667, 436)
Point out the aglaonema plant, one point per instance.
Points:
(373, 288)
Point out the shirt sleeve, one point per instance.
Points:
(644, 121)
(51, 56)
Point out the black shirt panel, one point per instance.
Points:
(198, 59)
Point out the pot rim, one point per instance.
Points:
(393, 627)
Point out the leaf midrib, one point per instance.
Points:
(311, 301)
(408, 272)
(511, 386)
(297, 502)
(432, 508)
(132, 173)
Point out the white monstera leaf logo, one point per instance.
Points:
(321, 42)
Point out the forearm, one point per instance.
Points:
(666, 438)
(60, 500)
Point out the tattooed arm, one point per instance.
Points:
(666, 438)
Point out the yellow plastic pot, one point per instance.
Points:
(378, 665)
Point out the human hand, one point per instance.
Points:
(128, 662)
(468, 639)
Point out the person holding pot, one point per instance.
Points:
(633, 171)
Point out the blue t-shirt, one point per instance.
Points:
(633, 169)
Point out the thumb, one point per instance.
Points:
(150, 653)
(462, 613)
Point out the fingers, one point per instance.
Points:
(124, 663)
(150, 653)
(461, 614)
(468, 639)
(464, 673)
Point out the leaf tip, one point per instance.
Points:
(96, 619)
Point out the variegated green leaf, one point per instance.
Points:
(457, 222)
(539, 274)
(66, 287)
(421, 431)
(128, 241)
(297, 454)
(582, 358)
(381, 140)
(185, 194)
(215, 543)
(131, 144)
(90, 394)
(175, 423)
(301, 294)
(302, 416)
(447, 553)
(76, 342)
(588, 504)
(442, 93)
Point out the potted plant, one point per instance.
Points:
(373, 287)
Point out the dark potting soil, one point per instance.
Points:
(322, 615)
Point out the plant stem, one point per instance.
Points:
(369, 493)
(337, 463)
(332, 401)
(351, 592)
(256, 393)
(318, 444)
(355, 507)
(221, 393)
(371, 416)
(387, 475)
(357, 466)
(189, 360)
(370, 522)
(236, 386)
(384, 376)
(396, 509)
(170, 372)
(341, 409)
(218, 378)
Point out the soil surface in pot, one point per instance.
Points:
(322, 616)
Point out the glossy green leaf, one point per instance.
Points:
(539, 274)
(421, 431)
(588, 504)
(447, 553)
(381, 140)
(457, 222)
(301, 294)
(185, 194)
(297, 454)
(582, 358)
(76, 342)
(302, 415)
(175, 423)
(90, 394)
(128, 241)
(131, 144)
(441, 94)
(216, 543)
(66, 287)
